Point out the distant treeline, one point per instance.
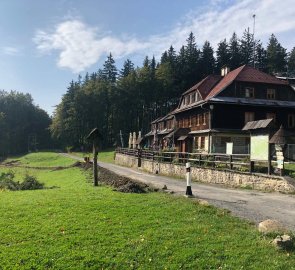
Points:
(129, 99)
(23, 125)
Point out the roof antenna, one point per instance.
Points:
(254, 40)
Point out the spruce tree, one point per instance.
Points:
(260, 57)
(128, 67)
(222, 55)
(109, 71)
(207, 60)
(276, 56)
(291, 63)
(247, 48)
(234, 52)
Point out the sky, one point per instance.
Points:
(47, 43)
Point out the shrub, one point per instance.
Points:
(30, 183)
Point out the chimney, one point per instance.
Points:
(225, 70)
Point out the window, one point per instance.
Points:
(197, 97)
(202, 144)
(271, 94)
(204, 118)
(271, 116)
(190, 121)
(291, 120)
(193, 98)
(249, 92)
(249, 116)
(182, 103)
(187, 100)
(200, 119)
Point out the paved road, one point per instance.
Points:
(252, 205)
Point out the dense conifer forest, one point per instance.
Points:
(23, 126)
(128, 99)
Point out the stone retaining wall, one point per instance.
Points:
(214, 176)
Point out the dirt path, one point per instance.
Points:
(252, 205)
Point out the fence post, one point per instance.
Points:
(231, 162)
(251, 169)
(139, 157)
(188, 192)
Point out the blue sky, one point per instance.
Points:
(45, 44)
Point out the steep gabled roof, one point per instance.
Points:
(204, 86)
(244, 74)
(225, 81)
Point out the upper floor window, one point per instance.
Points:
(291, 120)
(204, 118)
(249, 92)
(199, 119)
(271, 93)
(249, 116)
(187, 99)
(193, 98)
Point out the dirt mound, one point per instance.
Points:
(121, 183)
(12, 163)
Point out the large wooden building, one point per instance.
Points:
(214, 111)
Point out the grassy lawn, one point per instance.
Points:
(42, 159)
(104, 155)
(77, 226)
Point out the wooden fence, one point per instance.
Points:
(240, 162)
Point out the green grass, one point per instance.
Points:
(78, 226)
(104, 155)
(43, 159)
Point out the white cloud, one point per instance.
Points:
(9, 50)
(81, 46)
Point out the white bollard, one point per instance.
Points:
(188, 192)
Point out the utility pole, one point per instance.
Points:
(254, 40)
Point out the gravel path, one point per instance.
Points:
(251, 205)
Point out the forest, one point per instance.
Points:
(24, 127)
(129, 99)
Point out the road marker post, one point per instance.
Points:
(188, 176)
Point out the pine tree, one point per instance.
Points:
(276, 56)
(247, 48)
(128, 67)
(260, 57)
(109, 71)
(234, 52)
(164, 57)
(207, 60)
(291, 63)
(222, 55)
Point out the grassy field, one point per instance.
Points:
(72, 225)
(104, 155)
(41, 159)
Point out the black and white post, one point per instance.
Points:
(188, 192)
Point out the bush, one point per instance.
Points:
(30, 183)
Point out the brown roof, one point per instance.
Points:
(205, 85)
(282, 136)
(264, 123)
(244, 74)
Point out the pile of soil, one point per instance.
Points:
(120, 183)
